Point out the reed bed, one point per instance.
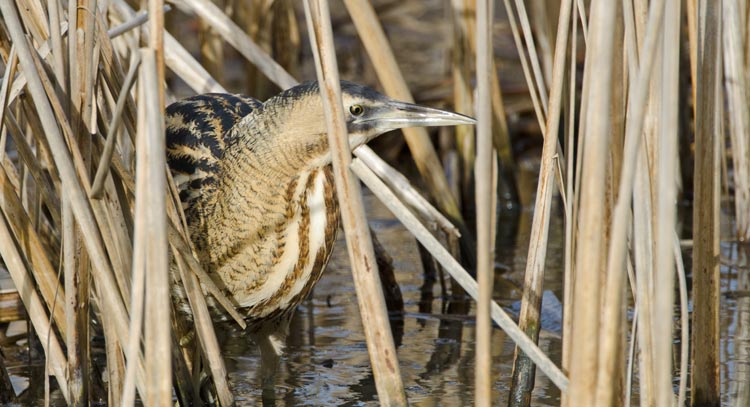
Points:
(93, 235)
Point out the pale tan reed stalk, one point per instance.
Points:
(157, 332)
(20, 82)
(140, 249)
(364, 267)
(463, 22)
(691, 7)
(157, 328)
(8, 77)
(81, 101)
(211, 46)
(666, 190)
(572, 203)
(586, 287)
(138, 19)
(58, 56)
(542, 20)
(615, 277)
(483, 202)
(581, 12)
(523, 370)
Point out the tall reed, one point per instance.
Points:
(86, 190)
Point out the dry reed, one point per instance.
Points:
(484, 200)
(71, 115)
(528, 319)
(361, 254)
(704, 340)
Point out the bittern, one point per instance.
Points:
(256, 186)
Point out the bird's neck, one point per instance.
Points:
(259, 167)
(275, 146)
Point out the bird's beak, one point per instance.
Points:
(396, 115)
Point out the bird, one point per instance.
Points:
(256, 186)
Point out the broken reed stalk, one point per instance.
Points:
(484, 199)
(454, 268)
(109, 295)
(378, 48)
(140, 18)
(235, 36)
(178, 59)
(705, 330)
(364, 267)
(406, 192)
(34, 306)
(586, 288)
(528, 319)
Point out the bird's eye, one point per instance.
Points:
(356, 110)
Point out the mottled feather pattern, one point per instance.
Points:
(197, 128)
(247, 205)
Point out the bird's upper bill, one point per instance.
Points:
(397, 115)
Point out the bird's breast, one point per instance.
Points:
(271, 269)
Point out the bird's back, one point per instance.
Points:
(197, 135)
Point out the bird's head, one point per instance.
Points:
(370, 114)
(300, 126)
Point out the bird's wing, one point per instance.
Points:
(197, 132)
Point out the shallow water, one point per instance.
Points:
(327, 363)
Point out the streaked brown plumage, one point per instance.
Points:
(256, 186)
